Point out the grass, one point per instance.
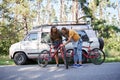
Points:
(5, 60)
(112, 59)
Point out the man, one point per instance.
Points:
(73, 36)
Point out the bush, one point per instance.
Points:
(4, 46)
(112, 47)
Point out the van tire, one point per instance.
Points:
(20, 58)
(101, 42)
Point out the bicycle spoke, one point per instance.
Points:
(69, 56)
(97, 56)
(43, 58)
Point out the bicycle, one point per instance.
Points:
(96, 55)
(46, 56)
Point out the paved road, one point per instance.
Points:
(106, 71)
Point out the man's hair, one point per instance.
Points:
(66, 31)
(64, 28)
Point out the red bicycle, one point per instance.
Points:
(46, 56)
(96, 55)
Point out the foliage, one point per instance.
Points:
(111, 36)
(112, 48)
(9, 33)
(104, 30)
(8, 36)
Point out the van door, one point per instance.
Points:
(30, 44)
(44, 40)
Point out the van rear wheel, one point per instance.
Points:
(20, 58)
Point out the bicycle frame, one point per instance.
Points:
(88, 54)
(55, 52)
(89, 51)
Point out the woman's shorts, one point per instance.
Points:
(57, 43)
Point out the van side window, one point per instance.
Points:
(45, 37)
(31, 37)
(83, 35)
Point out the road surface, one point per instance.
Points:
(106, 71)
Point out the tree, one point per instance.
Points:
(80, 5)
(38, 11)
(75, 10)
(118, 9)
(8, 31)
(62, 10)
(22, 12)
(98, 7)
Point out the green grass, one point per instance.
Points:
(113, 59)
(5, 60)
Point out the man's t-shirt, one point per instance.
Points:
(74, 35)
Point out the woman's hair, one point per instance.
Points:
(51, 31)
(55, 35)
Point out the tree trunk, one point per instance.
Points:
(48, 12)
(61, 10)
(118, 8)
(100, 9)
(38, 12)
(25, 25)
(119, 14)
(75, 11)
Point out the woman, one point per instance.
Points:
(56, 39)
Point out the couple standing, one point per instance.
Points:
(71, 35)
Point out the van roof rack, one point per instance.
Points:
(61, 24)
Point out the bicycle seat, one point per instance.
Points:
(90, 42)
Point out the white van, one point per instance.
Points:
(35, 41)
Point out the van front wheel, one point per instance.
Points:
(20, 58)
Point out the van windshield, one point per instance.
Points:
(31, 37)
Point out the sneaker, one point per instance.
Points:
(74, 65)
(57, 65)
(78, 65)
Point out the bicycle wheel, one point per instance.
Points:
(43, 58)
(97, 56)
(69, 56)
(65, 58)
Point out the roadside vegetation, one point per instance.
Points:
(5, 60)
